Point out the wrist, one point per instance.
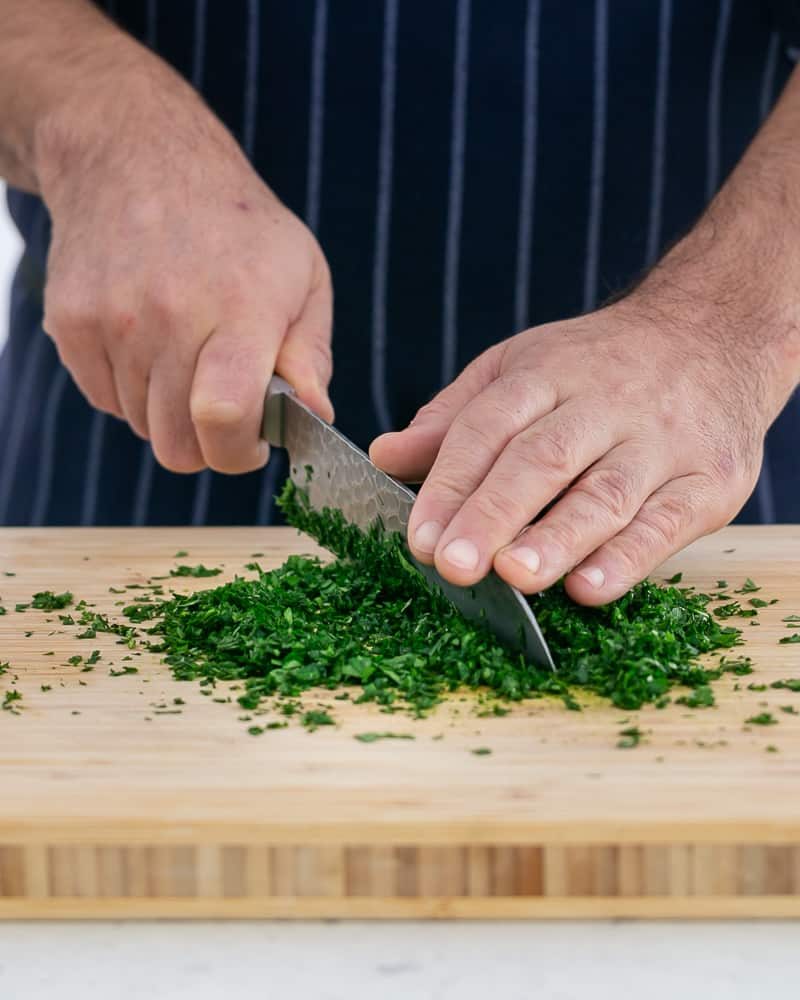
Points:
(732, 285)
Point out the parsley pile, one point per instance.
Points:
(367, 622)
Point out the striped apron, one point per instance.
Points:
(470, 167)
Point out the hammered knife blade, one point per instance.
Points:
(344, 478)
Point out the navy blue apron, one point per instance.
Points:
(470, 167)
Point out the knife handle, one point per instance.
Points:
(272, 423)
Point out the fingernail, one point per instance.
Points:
(527, 557)
(593, 575)
(462, 553)
(427, 536)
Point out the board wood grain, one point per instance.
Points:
(109, 808)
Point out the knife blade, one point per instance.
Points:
(344, 478)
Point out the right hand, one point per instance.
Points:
(177, 281)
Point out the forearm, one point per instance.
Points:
(738, 270)
(54, 57)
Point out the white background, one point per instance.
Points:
(390, 961)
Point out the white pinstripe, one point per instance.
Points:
(203, 481)
(715, 98)
(765, 494)
(152, 20)
(316, 127)
(527, 183)
(251, 79)
(44, 478)
(598, 155)
(269, 480)
(316, 114)
(144, 483)
(383, 215)
(19, 417)
(199, 52)
(94, 468)
(455, 201)
(659, 133)
(144, 480)
(768, 79)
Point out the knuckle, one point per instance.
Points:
(664, 518)
(67, 313)
(548, 451)
(445, 485)
(496, 506)
(432, 411)
(165, 301)
(560, 533)
(611, 488)
(311, 357)
(216, 413)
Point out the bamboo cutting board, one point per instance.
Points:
(110, 808)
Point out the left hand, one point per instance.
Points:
(649, 414)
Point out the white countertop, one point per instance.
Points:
(399, 961)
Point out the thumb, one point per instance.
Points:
(304, 358)
(409, 454)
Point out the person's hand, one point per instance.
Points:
(649, 415)
(177, 281)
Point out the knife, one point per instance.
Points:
(344, 478)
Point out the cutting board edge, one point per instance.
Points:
(418, 832)
(398, 908)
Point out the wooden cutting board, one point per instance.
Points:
(109, 808)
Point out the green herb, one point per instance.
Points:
(2, 610)
(21, 607)
(795, 637)
(790, 684)
(722, 584)
(199, 570)
(676, 578)
(374, 737)
(763, 719)
(46, 600)
(11, 701)
(789, 709)
(771, 748)
(701, 697)
(791, 618)
(5, 666)
(368, 621)
(94, 657)
(741, 665)
(733, 609)
(630, 737)
(315, 718)
(758, 602)
(748, 587)
(481, 751)
(125, 670)
(45, 687)
(181, 554)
